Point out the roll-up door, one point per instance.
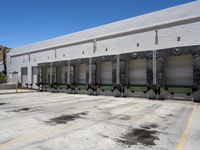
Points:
(34, 75)
(63, 72)
(137, 72)
(48, 74)
(72, 74)
(82, 73)
(55, 74)
(179, 70)
(24, 74)
(106, 73)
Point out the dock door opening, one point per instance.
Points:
(179, 70)
(82, 72)
(137, 72)
(34, 75)
(48, 75)
(106, 73)
(63, 74)
(24, 75)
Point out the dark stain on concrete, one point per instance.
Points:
(171, 115)
(105, 136)
(124, 117)
(22, 109)
(27, 109)
(149, 126)
(139, 136)
(64, 119)
(162, 117)
(3, 103)
(5, 141)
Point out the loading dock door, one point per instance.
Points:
(106, 73)
(34, 75)
(24, 75)
(82, 73)
(137, 72)
(48, 75)
(63, 74)
(179, 70)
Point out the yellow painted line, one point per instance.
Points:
(180, 143)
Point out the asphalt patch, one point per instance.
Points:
(139, 136)
(64, 119)
(2, 103)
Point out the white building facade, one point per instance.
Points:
(156, 55)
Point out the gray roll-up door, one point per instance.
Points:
(94, 77)
(82, 72)
(54, 74)
(179, 70)
(72, 74)
(137, 72)
(24, 74)
(34, 75)
(48, 75)
(106, 73)
(63, 74)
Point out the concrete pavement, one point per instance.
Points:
(59, 121)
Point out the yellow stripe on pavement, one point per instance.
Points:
(180, 143)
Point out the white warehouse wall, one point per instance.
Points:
(41, 52)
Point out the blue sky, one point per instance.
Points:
(27, 21)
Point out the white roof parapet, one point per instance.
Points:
(182, 14)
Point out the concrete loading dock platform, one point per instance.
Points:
(43, 120)
(163, 74)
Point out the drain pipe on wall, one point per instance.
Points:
(154, 72)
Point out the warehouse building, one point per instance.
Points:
(156, 56)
